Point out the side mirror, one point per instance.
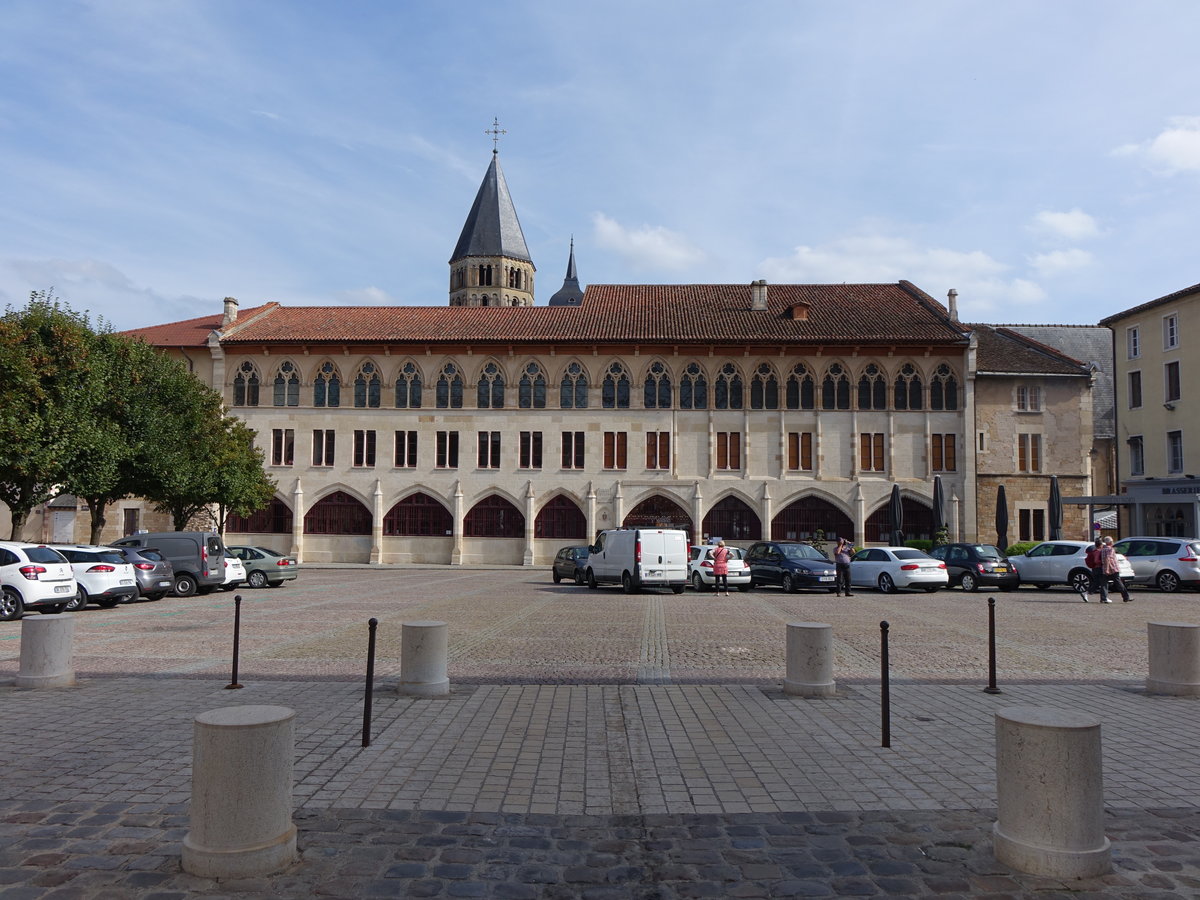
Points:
(593, 549)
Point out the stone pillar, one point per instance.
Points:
(1050, 793)
(1174, 659)
(241, 810)
(46, 644)
(423, 654)
(809, 660)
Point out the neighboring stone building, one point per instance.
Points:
(1158, 416)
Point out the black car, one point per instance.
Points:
(570, 563)
(789, 564)
(972, 566)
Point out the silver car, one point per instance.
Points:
(1062, 562)
(1168, 563)
(154, 573)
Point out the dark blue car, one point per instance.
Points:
(790, 565)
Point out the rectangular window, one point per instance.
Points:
(447, 450)
(729, 450)
(800, 457)
(406, 450)
(1174, 452)
(1135, 390)
(529, 455)
(615, 445)
(283, 446)
(1133, 343)
(943, 454)
(364, 448)
(489, 450)
(870, 452)
(1171, 382)
(1029, 453)
(322, 448)
(982, 442)
(572, 449)
(1029, 398)
(658, 449)
(1137, 456)
(1170, 332)
(1031, 524)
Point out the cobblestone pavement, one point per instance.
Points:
(683, 772)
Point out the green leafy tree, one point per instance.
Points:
(53, 386)
(243, 486)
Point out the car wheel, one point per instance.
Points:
(78, 602)
(580, 579)
(627, 584)
(886, 584)
(554, 574)
(1167, 581)
(591, 579)
(789, 584)
(185, 585)
(1081, 581)
(697, 581)
(968, 582)
(11, 607)
(51, 610)
(258, 579)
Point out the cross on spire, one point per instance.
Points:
(495, 131)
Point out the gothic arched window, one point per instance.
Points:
(573, 391)
(727, 391)
(449, 388)
(801, 391)
(908, 388)
(327, 386)
(245, 385)
(287, 386)
(658, 388)
(835, 389)
(408, 388)
(614, 392)
(764, 389)
(943, 389)
(491, 388)
(872, 389)
(366, 387)
(693, 388)
(531, 391)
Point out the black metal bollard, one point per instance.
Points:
(885, 688)
(991, 688)
(237, 630)
(372, 624)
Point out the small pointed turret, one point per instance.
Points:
(570, 293)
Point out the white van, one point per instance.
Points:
(639, 557)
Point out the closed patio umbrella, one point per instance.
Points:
(1001, 519)
(939, 504)
(1056, 510)
(896, 517)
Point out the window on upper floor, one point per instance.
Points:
(408, 387)
(657, 388)
(942, 455)
(323, 442)
(943, 389)
(727, 389)
(1135, 390)
(572, 450)
(907, 388)
(693, 388)
(1029, 398)
(364, 448)
(1174, 452)
(283, 446)
(871, 456)
(531, 390)
(801, 390)
(658, 449)
(615, 446)
(488, 456)
(491, 388)
(764, 389)
(729, 450)
(573, 389)
(1133, 342)
(614, 393)
(287, 386)
(327, 387)
(800, 451)
(1029, 453)
(449, 388)
(1170, 331)
(367, 387)
(1137, 456)
(872, 389)
(835, 389)
(245, 385)
(405, 455)
(529, 451)
(1171, 384)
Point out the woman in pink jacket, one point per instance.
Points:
(720, 558)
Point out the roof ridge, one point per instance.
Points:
(1034, 344)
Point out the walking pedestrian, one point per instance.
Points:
(1113, 570)
(720, 559)
(1093, 559)
(841, 563)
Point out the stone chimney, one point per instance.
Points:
(758, 294)
(952, 304)
(231, 308)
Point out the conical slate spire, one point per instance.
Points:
(570, 293)
(492, 228)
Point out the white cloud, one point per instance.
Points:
(980, 280)
(647, 247)
(1173, 150)
(368, 296)
(1058, 262)
(1075, 225)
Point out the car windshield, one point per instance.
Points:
(801, 551)
(910, 554)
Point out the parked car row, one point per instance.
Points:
(53, 578)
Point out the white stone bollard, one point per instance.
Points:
(809, 660)
(423, 654)
(1174, 659)
(241, 811)
(1050, 793)
(46, 646)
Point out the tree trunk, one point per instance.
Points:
(96, 507)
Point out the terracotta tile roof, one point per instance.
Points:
(194, 332)
(1003, 351)
(700, 313)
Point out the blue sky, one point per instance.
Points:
(1042, 158)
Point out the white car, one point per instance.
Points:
(889, 568)
(1062, 562)
(105, 576)
(700, 567)
(33, 576)
(235, 572)
(1168, 563)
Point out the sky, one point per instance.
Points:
(1041, 158)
